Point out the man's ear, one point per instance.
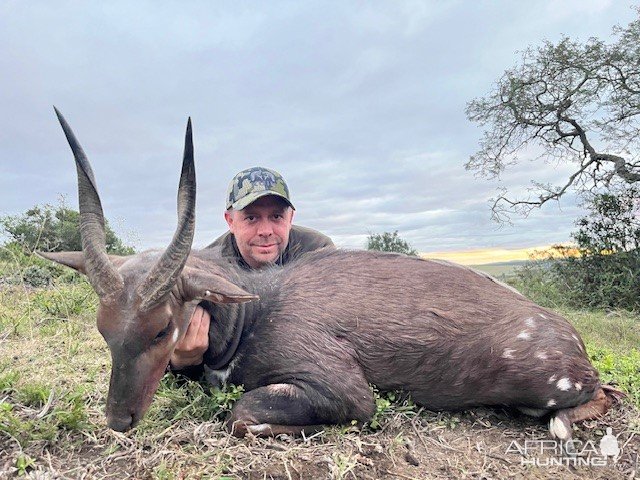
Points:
(75, 260)
(228, 216)
(200, 285)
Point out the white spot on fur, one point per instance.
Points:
(543, 316)
(578, 386)
(508, 353)
(541, 355)
(551, 403)
(529, 322)
(524, 335)
(552, 378)
(558, 429)
(564, 384)
(174, 338)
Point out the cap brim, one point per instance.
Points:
(252, 197)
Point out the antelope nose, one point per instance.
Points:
(120, 424)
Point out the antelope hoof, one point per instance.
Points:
(560, 428)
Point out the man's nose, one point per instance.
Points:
(265, 228)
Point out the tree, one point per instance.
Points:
(46, 228)
(569, 102)
(603, 268)
(612, 224)
(389, 242)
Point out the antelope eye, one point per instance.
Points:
(162, 333)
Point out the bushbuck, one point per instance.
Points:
(306, 340)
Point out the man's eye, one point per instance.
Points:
(250, 218)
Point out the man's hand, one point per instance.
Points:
(190, 349)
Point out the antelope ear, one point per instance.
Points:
(201, 285)
(75, 260)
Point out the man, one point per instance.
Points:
(259, 213)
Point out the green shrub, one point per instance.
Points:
(54, 229)
(603, 269)
(389, 242)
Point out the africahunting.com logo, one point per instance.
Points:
(546, 453)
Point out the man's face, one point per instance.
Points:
(261, 229)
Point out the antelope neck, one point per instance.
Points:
(225, 358)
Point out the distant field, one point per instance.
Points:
(500, 269)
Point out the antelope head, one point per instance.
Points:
(146, 299)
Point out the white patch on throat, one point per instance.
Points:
(524, 335)
(529, 322)
(219, 377)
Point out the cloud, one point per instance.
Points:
(359, 106)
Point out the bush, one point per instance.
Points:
(50, 229)
(389, 242)
(603, 269)
(18, 267)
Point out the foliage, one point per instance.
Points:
(389, 242)
(567, 102)
(22, 268)
(177, 399)
(53, 229)
(612, 225)
(389, 403)
(619, 369)
(60, 412)
(603, 270)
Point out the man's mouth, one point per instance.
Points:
(269, 245)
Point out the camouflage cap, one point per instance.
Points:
(251, 184)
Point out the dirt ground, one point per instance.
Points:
(477, 444)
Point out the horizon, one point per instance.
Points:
(486, 256)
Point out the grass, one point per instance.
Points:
(54, 370)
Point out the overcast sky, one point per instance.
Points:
(360, 105)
